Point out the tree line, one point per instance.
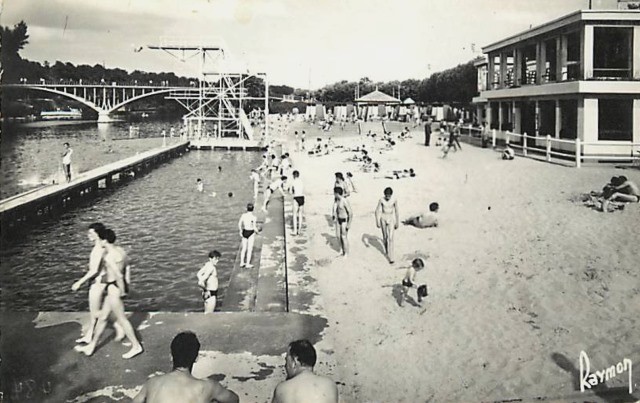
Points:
(457, 85)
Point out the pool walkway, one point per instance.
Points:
(30, 206)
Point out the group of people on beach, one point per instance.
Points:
(614, 194)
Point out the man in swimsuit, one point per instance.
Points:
(247, 227)
(425, 220)
(342, 216)
(208, 281)
(117, 282)
(387, 219)
(626, 191)
(66, 161)
(302, 384)
(297, 189)
(278, 184)
(96, 290)
(180, 385)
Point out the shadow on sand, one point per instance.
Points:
(376, 242)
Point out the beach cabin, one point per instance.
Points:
(316, 111)
(374, 105)
(575, 79)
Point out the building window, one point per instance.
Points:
(612, 52)
(615, 119)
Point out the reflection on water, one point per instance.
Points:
(32, 156)
(160, 219)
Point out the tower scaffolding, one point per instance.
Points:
(220, 95)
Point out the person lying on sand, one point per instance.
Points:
(425, 220)
(627, 192)
(402, 173)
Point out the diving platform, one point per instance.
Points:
(39, 204)
(227, 144)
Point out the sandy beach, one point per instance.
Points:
(522, 276)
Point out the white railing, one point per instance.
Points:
(575, 149)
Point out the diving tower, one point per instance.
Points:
(216, 106)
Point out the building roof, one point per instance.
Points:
(409, 101)
(378, 97)
(633, 17)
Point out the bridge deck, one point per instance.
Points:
(85, 178)
(226, 143)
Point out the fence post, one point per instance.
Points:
(578, 152)
(493, 138)
(506, 137)
(524, 144)
(548, 147)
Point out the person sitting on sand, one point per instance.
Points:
(179, 385)
(627, 191)
(302, 384)
(409, 281)
(425, 220)
(199, 185)
(508, 153)
(341, 183)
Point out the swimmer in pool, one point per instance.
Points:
(387, 220)
(247, 227)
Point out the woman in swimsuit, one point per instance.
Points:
(387, 219)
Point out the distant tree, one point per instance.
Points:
(13, 40)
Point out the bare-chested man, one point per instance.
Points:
(387, 219)
(247, 225)
(626, 191)
(297, 188)
(117, 280)
(342, 216)
(96, 290)
(179, 385)
(208, 281)
(302, 385)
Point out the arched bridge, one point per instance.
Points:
(104, 98)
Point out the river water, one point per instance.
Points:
(165, 224)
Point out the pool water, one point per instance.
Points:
(164, 223)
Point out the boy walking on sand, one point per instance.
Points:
(387, 220)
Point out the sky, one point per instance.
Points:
(300, 43)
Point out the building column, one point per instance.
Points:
(536, 120)
(561, 51)
(558, 118)
(541, 60)
(517, 119)
(491, 71)
(499, 115)
(503, 69)
(489, 113)
(588, 120)
(636, 120)
(635, 55)
(517, 67)
(586, 52)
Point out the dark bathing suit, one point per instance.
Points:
(299, 200)
(341, 220)
(246, 233)
(407, 283)
(206, 294)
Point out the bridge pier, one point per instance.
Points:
(104, 117)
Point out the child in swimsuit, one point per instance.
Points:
(409, 281)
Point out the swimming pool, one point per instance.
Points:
(165, 224)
